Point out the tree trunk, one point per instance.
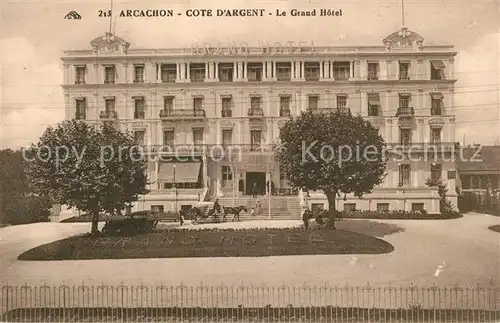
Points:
(331, 196)
(95, 223)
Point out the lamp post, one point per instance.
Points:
(175, 192)
(269, 195)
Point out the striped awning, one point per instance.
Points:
(437, 96)
(437, 64)
(373, 99)
(184, 172)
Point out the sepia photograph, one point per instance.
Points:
(261, 161)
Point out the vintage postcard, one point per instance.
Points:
(264, 161)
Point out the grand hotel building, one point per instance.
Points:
(192, 100)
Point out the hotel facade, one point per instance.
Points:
(221, 108)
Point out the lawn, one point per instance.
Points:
(495, 228)
(176, 243)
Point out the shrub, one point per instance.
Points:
(28, 209)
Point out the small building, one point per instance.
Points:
(479, 169)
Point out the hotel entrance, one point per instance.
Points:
(259, 178)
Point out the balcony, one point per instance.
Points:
(255, 113)
(421, 146)
(139, 115)
(227, 113)
(285, 113)
(80, 116)
(108, 115)
(184, 114)
(405, 112)
(175, 150)
(344, 110)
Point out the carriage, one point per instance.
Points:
(204, 212)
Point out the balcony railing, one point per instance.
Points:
(108, 115)
(344, 110)
(439, 146)
(80, 115)
(435, 111)
(285, 113)
(255, 112)
(184, 113)
(405, 112)
(139, 115)
(227, 113)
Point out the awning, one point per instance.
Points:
(437, 64)
(437, 96)
(373, 99)
(184, 172)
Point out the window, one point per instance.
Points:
(311, 70)
(156, 208)
(168, 138)
(466, 181)
(382, 207)
(110, 104)
(226, 107)
(313, 102)
(226, 72)
(81, 109)
(255, 106)
(109, 74)
(316, 207)
(227, 137)
(405, 136)
(404, 104)
(197, 72)
(227, 175)
(404, 174)
(284, 106)
(341, 103)
(138, 73)
(80, 72)
(373, 104)
(168, 73)
(437, 69)
(254, 71)
(404, 100)
(341, 70)
(404, 70)
(283, 71)
(435, 136)
(416, 207)
(139, 111)
(436, 103)
(139, 137)
(197, 104)
(436, 170)
(476, 182)
(255, 138)
(168, 104)
(350, 207)
(373, 70)
(198, 137)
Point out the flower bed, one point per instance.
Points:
(175, 243)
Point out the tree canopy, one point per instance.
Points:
(94, 169)
(332, 152)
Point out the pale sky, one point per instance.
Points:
(34, 34)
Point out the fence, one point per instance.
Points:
(248, 303)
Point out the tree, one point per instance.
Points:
(94, 169)
(335, 153)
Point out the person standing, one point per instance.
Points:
(258, 207)
(254, 189)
